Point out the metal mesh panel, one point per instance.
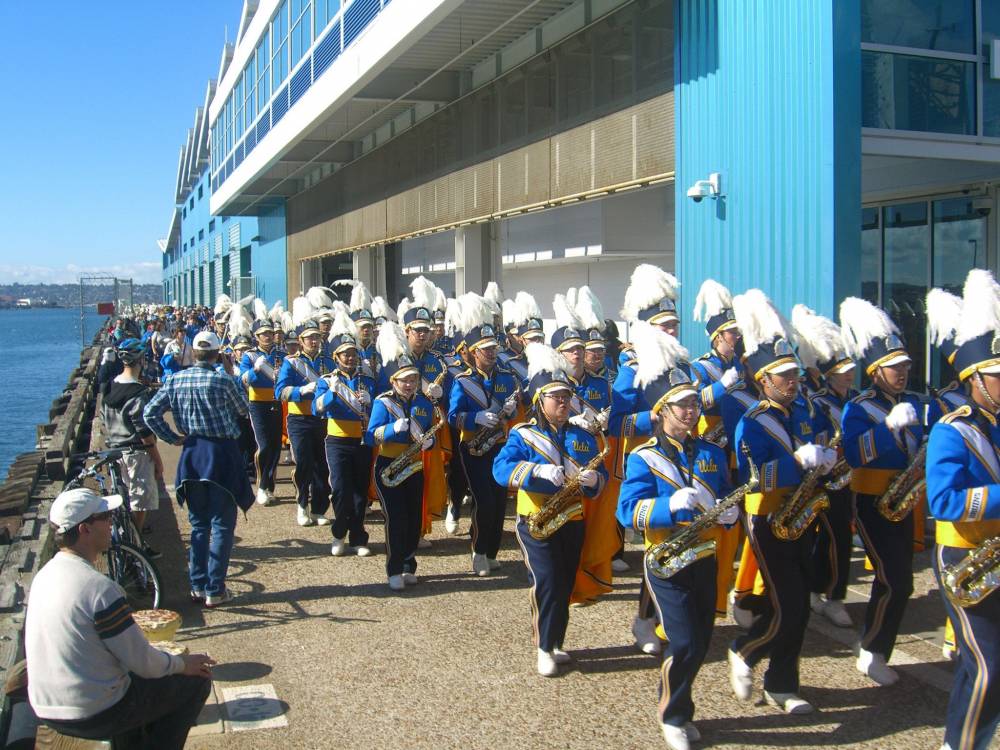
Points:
(522, 177)
(572, 163)
(655, 136)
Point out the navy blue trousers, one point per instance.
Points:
(781, 615)
(832, 550)
(458, 485)
(350, 462)
(307, 435)
(490, 502)
(552, 565)
(265, 417)
(403, 506)
(974, 705)
(685, 605)
(890, 548)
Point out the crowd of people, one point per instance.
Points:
(759, 451)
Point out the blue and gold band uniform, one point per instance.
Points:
(471, 392)
(306, 432)
(265, 410)
(963, 490)
(877, 456)
(403, 503)
(551, 562)
(771, 433)
(344, 399)
(685, 602)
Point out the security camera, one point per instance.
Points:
(710, 188)
(982, 206)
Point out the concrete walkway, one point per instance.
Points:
(317, 653)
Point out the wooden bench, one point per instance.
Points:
(49, 739)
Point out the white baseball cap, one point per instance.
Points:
(77, 505)
(207, 341)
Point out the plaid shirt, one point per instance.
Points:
(204, 403)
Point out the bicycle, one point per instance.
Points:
(124, 562)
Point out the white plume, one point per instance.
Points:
(222, 304)
(565, 315)
(527, 308)
(402, 307)
(319, 297)
(440, 299)
(391, 342)
(980, 306)
(861, 323)
(759, 320)
(648, 286)
(492, 296)
(452, 316)
(510, 313)
(423, 292)
(819, 337)
(259, 309)
(287, 323)
(340, 307)
(571, 296)
(276, 311)
(589, 310)
(346, 282)
(302, 310)
(542, 358)
(657, 352)
(944, 311)
(381, 309)
(239, 322)
(342, 324)
(473, 311)
(712, 299)
(361, 298)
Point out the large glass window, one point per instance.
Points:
(905, 92)
(905, 265)
(325, 11)
(574, 61)
(943, 25)
(991, 88)
(301, 17)
(279, 47)
(613, 59)
(263, 56)
(655, 43)
(959, 241)
(871, 254)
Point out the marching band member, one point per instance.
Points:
(400, 418)
(963, 490)
(591, 315)
(257, 371)
(458, 484)
(344, 397)
(536, 461)
(882, 434)
(523, 319)
(493, 298)
(296, 385)
(944, 311)
(364, 321)
(779, 435)
(667, 480)
(482, 400)
(822, 353)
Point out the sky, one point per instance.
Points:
(97, 103)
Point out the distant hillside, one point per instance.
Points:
(68, 295)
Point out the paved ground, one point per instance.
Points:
(449, 663)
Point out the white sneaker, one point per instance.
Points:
(467, 500)
(396, 583)
(263, 497)
(547, 666)
(494, 565)
(740, 676)
(646, 640)
(338, 548)
(560, 656)
(816, 602)
(949, 652)
(363, 551)
(424, 543)
(790, 703)
(874, 666)
(618, 565)
(743, 617)
(836, 612)
(480, 565)
(676, 737)
(450, 523)
(320, 519)
(216, 600)
(410, 579)
(304, 517)
(692, 732)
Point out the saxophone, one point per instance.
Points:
(807, 501)
(487, 437)
(974, 577)
(686, 546)
(906, 491)
(405, 465)
(717, 435)
(565, 502)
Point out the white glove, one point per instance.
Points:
(689, 498)
(427, 444)
(365, 398)
(487, 419)
(509, 407)
(902, 415)
(729, 516)
(589, 478)
(400, 426)
(307, 389)
(809, 456)
(730, 378)
(433, 391)
(552, 473)
(828, 459)
(261, 361)
(583, 422)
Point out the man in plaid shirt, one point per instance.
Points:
(211, 478)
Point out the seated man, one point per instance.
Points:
(91, 672)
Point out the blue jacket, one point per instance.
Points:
(296, 371)
(517, 364)
(260, 386)
(472, 392)
(709, 368)
(336, 399)
(529, 445)
(594, 390)
(386, 409)
(947, 400)
(875, 454)
(655, 470)
(430, 365)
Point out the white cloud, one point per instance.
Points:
(145, 272)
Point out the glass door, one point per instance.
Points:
(905, 272)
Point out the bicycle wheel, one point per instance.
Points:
(133, 571)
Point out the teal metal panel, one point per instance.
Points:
(767, 93)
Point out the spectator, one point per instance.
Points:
(91, 672)
(109, 368)
(207, 406)
(177, 355)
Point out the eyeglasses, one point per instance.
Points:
(559, 396)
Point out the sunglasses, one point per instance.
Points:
(104, 516)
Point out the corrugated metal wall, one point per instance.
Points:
(768, 94)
